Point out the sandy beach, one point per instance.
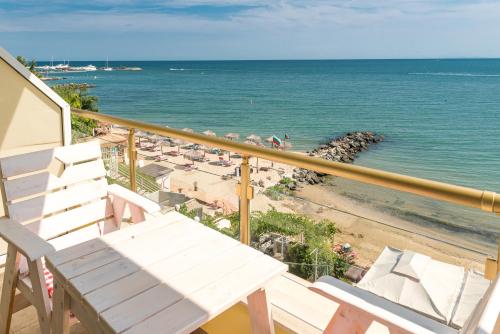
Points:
(367, 229)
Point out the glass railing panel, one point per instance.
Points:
(351, 223)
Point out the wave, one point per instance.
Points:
(177, 69)
(455, 74)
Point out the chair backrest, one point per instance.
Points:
(57, 190)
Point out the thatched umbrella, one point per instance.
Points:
(254, 138)
(251, 142)
(231, 136)
(209, 133)
(193, 155)
(178, 142)
(141, 134)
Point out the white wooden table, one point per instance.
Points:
(167, 275)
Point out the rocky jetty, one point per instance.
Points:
(341, 149)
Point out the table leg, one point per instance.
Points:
(259, 310)
(60, 310)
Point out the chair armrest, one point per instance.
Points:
(26, 242)
(131, 197)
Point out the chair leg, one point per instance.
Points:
(136, 213)
(61, 310)
(9, 288)
(118, 210)
(40, 295)
(259, 310)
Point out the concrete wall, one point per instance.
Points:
(29, 120)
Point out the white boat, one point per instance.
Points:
(88, 68)
(107, 68)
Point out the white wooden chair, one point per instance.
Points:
(55, 198)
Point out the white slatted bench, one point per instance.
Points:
(55, 198)
(167, 275)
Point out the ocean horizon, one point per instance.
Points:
(440, 117)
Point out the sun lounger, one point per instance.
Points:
(359, 308)
(161, 158)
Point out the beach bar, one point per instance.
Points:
(90, 253)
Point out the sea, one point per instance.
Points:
(440, 117)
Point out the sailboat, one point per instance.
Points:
(107, 68)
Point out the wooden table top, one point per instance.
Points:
(170, 274)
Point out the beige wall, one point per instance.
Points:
(29, 120)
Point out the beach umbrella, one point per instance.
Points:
(193, 155)
(254, 138)
(232, 136)
(139, 135)
(157, 139)
(251, 142)
(209, 133)
(178, 142)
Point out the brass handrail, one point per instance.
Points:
(481, 199)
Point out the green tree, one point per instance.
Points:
(299, 256)
(77, 97)
(30, 65)
(22, 60)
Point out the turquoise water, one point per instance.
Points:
(441, 118)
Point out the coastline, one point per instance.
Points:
(365, 226)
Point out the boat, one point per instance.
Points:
(88, 68)
(107, 68)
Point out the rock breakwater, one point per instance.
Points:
(341, 149)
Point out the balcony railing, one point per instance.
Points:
(479, 199)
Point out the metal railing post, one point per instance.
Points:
(498, 258)
(132, 158)
(245, 191)
(492, 265)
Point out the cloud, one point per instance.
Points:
(250, 28)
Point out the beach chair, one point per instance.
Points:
(55, 199)
(359, 308)
(161, 157)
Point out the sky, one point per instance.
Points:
(249, 29)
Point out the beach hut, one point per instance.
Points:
(209, 133)
(437, 289)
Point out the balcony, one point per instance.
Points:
(298, 305)
(228, 186)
